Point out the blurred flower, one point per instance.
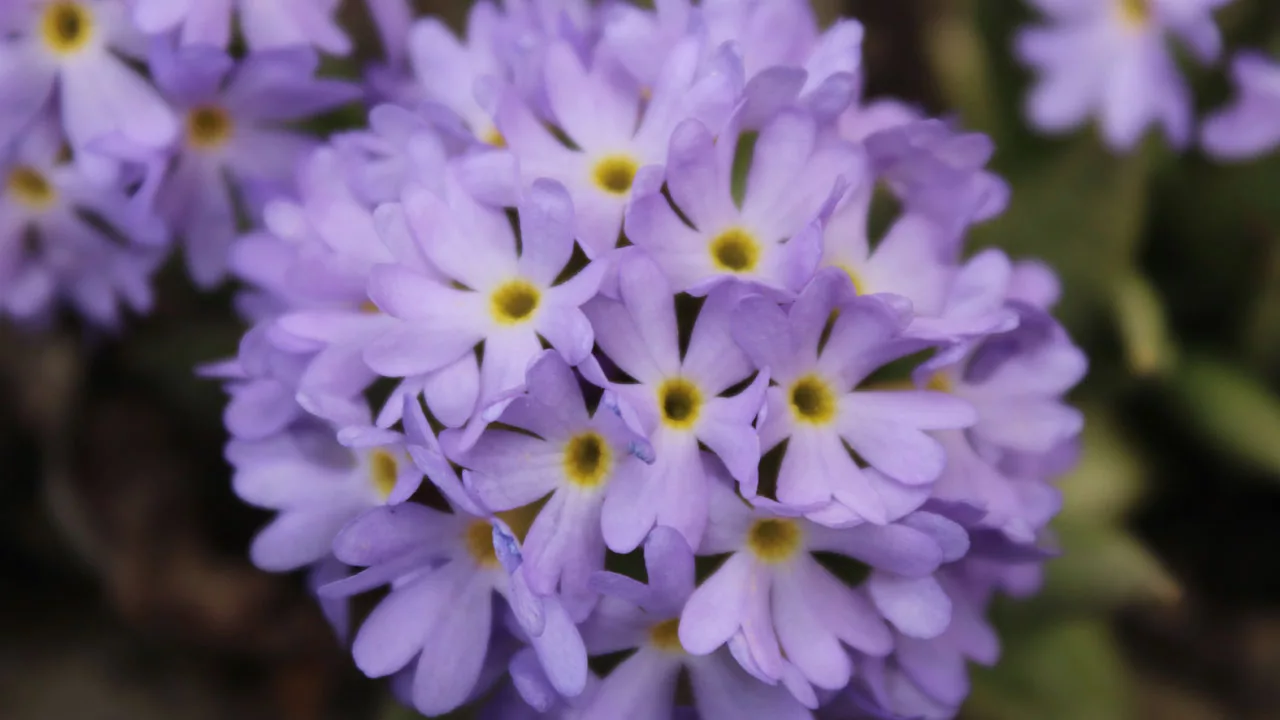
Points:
(68, 237)
(282, 23)
(1110, 59)
(234, 152)
(75, 46)
(1251, 126)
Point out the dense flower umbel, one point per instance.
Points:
(610, 274)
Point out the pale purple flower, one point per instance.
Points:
(785, 57)
(815, 405)
(399, 148)
(450, 71)
(75, 47)
(436, 627)
(50, 253)
(614, 129)
(234, 145)
(1251, 125)
(774, 239)
(1111, 59)
(569, 457)
(676, 401)
(265, 25)
(788, 619)
(315, 485)
(510, 298)
(646, 617)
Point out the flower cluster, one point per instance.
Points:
(102, 165)
(604, 351)
(1111, 58)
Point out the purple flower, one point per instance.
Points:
(568, 456)
(50, 252)
(676, 401)
(1251, 126)
(614, 129)
(444, 569)
(233, 117)
(72, 45)
(282, 23)
(647, 617)
(510, 299)
(788, 619)
(817, 353)
(316, 485)
(1110, 58)
(784, 56)
(450, 71)
(773, 239)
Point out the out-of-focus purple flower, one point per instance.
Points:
(67, 237)
(788, 619)
(510, 298)
(615, 129)
(1110, 59)
(571, 458)
(1251, 126)
(676, 401)
(444, 570)
(774, 239)
(234, 151)
(265, 25)
(817, 353)
(784, 56)
(75, 47)
(647, 617)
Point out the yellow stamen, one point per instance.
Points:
(681, 403)
(587, 460)
(514, 302)
(67, 27)
(1135, 13)
(209, 127)
(665, 636)
(735, 250)
(31, 188)
(383, 470)
(615, 173)
(774, 540)
(812, 400)
(479, 542)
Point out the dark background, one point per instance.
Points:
(125, 592)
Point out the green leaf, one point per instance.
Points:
(1064, 671)
(1110, 476)
(1232, 410)
(1102, 567)
(1140, 313)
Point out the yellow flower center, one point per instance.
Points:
(31, 188)
(494, 138)
(66, 27)
(383, 469)
(774, 540)
(369, 307)
(812, 400)
(858, 286)
(209, 127)
(735, 250)
(615, 173)
(1135, 12)
(940, 382)
(681, 402)
(479, 542)
(665, 636)
(514, 302)
(587, 460)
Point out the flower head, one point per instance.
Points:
(1249, 127)
(1111, 59)
(284, 23)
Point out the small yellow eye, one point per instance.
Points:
(615, 173)
(774, 540)
(67, 27)
(587, 460)
(514, 302)
(735, 250)
(812, 400)
(31, 188)
(209, 127)
(681, 402)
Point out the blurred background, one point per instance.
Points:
(125, 591)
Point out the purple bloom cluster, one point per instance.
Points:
(101, 165)
(610, 281)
